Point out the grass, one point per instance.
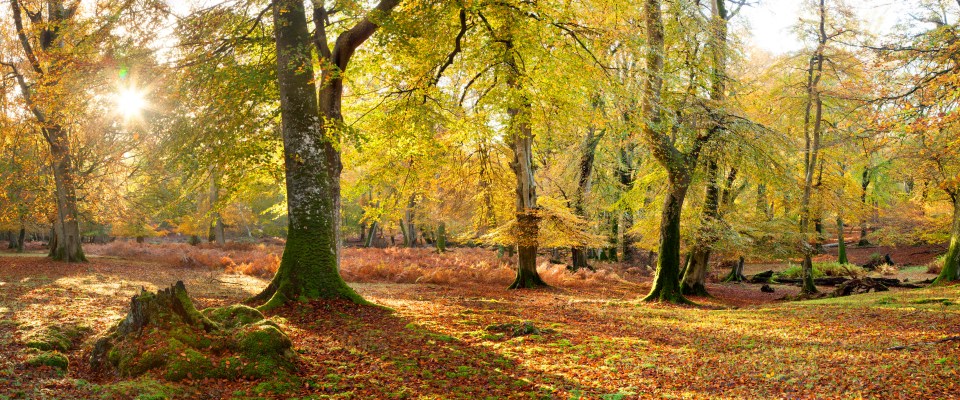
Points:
(597, 339)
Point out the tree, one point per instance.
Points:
(679, 164)
(310, 264)
(49, 114)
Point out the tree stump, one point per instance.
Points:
(164, 331)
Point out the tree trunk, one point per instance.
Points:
(841, 243)
(864, 183)
(527, 276)
(521, 142)
(67, 225)
(410, 232)
(370, 235)
(310, 266)
(695, 276)
(813, 118)
(950, 272)
(736, 272)
(214, 198)
(666, 281)
(20, 239)
(442, 238)
(625, 171)
(587, 155)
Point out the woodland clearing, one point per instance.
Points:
(595, 339)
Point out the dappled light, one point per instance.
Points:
(509, 199)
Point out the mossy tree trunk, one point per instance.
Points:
(951, 261)
(679, 165)
(442, 238)
(666, 281)
(310, 264)
(736, 272)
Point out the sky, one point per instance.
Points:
(771, 22)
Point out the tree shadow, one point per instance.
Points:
(376, 353)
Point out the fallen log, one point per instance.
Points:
(859, 286)
(839, 280)
(907, 346)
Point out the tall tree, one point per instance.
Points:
(310, 264)
(678, 164)
(42, 81)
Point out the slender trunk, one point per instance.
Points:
(373, 230)
(214, 198)
(442, 238)
(52, 242)
(410, 233)
(736, 272)
(587, 155)
(310, 266)
(625, 169)
(21, 238)
(864, 183)
(695, 276)
(841, 243)
(951, 261)
(813, 118)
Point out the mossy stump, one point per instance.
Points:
(164, 332)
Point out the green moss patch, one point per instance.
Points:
(166, 334)
(59, 338)
(53, 359)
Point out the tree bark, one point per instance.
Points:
(67, 225)
(666, 281)
(950, 272)
(813, 118)
(442, 238)
(585, 174)
(214, 198)
(864, 183)
(521, 142)
(20, 239)
(310, 266)
(841, 243)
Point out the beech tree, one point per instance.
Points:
(311, 128)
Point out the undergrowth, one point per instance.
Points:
(396, 265)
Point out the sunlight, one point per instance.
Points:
(130, 103)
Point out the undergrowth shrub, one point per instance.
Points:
(936, 265)
(824, 269)
(396, 265)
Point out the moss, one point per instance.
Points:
(58, 338)
(189, 364)
(261, 338)
(142, 389)
(234, 315)
(309, 269)
(53, 359)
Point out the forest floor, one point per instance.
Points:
(597, 339)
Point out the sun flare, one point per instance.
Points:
(130, 103)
